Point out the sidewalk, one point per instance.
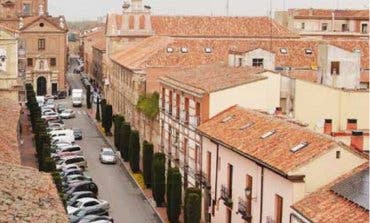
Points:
(160, 211)
(27, 149)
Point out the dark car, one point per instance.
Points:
(92, 215)
(83, 186)
(77, 195)
(62, 94)
(78, 134)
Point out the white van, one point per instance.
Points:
(65, 135)
(40, 100)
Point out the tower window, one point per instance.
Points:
(257, 62)
(184, 50)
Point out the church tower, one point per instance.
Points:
(136, 19)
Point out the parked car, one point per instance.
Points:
(66, 173)
(55, 120)
(68, 113)
(107, 156)
(78, 134)
(70, 167)
(69, 184)
(88, 204)
(62, 94)
(78, 195)
(96, 219)
(49, 115)
(46, 110)
(54, 128)
(72, 150)
(64, 135)
(79, 160)
(77, 177)
(61, 107)
(50, 97)
(82, 186)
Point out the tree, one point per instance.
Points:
(118, 121)
(124, 140)
(190, 190)
(108, 119)
(147, 163)
(134, 151)
(159, 167)
(170, 172)
(192, 208)
(176, 192)
(103, 103)
(97, 114)
(88, 96)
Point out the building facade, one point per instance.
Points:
(326, 23)
(255, 166)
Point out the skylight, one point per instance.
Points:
(299, 147)
(283, 51)
(357, 50)
(228, 118)
(268, 134)
(308, 51)
(208, 50)
(184, 50)
(246, 125)
(169, 50)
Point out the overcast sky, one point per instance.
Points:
(91, 9)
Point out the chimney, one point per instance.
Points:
(351, 124)
(328, 127)
(278, 111)
(357, 140)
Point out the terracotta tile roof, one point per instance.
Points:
(222, 26)
(212, 77)
(327, 13)
(207, 26)
(27, 195)
(3, 26)
(274, 150)
(324, 205)
(364, 76)
(9, 110)
(308, 75)
(100, 44)
(136, 55)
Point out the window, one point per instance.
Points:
(324, 27)
(278, 209)
(53, 62)
(229, 187)
(170, 103)
(184, 50)
(186, 110)
(208, 50)
(29, 62)
(268, 134)
(283, 51)
(41, 24)
(41, 44)
(26, 9)
(356, 50)
(364, 28)
(209, 167)
(334, 69)
(308, 51)
(257, 62)
(177, 105)
(337, 154)
(228, 118)
(303, 25)
(249, 188)
(246, 126)
(344, 28)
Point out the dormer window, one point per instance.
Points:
(228, 118)
(299, 147)
(184, 50)
(283, 51)
(308, 51)
(356, 50)
(170, 50)
(208, 50)
(249, 124)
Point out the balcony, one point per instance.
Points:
(243, 210)
(225, 195)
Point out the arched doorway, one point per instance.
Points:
(41, 86)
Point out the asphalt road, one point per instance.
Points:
(127, 203)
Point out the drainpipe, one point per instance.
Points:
(216, 179)
(261, 201)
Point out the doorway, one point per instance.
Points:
(41, 86)
(54, 88)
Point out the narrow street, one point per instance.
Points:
(127, 204)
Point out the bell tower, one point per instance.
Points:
(136, 19)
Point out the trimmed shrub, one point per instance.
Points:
(189, 191)
(103, 104)
(170, 172)
(193, 208)
(159, 178)
(97, 114)
(108, 119)
(175, 197)
(134, 151)
(124, 141)
(118, 121)
(147, 163)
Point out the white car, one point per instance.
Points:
(49, 115)
(87, 203)
(108, 156)
(78, 160)
(68, 113)
(52, 124)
